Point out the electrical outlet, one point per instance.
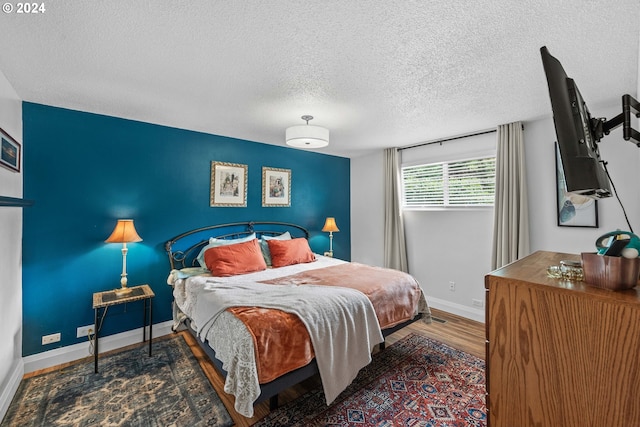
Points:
(452, 286)
(84, 331)
(477, 302)
(48, 339)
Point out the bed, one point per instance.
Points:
(271, 320)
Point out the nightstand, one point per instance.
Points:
(103, 300)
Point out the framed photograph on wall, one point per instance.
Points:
(228, 184)
(10, 152)
(276, 187)
(573, 210)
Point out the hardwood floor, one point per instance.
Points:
(458, 332)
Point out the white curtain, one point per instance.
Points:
(511, 215)
(395, 249)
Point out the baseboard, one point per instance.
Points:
(73, 352)
(11, 387)
(457, 309)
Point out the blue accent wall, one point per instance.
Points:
(84, 171)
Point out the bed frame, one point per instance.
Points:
(183, 250)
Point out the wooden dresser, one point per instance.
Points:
(560, 353)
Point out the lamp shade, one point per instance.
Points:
(330, 225)
(307, 136)
(124, 232)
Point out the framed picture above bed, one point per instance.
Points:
(276, 187)
(10, 152)
(228, 184)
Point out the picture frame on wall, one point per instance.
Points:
(228, 184)
(573, 210)
(10, 152)
(276, 187)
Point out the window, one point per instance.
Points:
(466, 183)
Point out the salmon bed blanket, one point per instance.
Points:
(282, 343)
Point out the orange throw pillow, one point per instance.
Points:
(239, 258)
(289, 252)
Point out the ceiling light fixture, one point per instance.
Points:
(307, 136)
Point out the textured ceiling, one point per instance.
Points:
(376, 73)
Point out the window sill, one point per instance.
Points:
(448, 208)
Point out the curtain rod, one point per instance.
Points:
(440, 141)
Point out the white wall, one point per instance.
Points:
(451, 246)
(435, 261)
(367, 209)
(443, 246)
(11, 367)
(623, 162)
(458, 240)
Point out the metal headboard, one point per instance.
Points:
(186, 257)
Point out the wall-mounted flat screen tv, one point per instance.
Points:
(581, 163)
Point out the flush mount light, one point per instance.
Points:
(307, 136)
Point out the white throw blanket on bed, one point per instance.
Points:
(341, 322)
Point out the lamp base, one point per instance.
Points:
(120, 292)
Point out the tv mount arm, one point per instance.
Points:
(603, 126)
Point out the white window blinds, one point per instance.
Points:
(464, 183)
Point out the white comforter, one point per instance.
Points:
(234, 344)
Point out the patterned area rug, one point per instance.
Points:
(414, 382)
(131, 389)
